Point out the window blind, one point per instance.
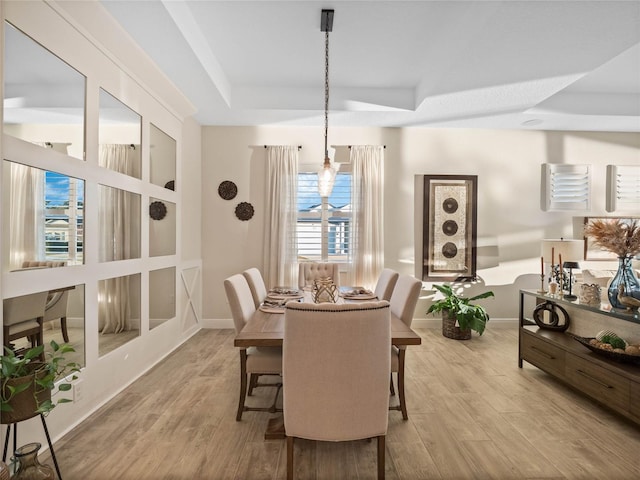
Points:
(623, 188)
(566, 187)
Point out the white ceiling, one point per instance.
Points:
(553, 65)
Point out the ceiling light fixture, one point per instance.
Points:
(327, 174)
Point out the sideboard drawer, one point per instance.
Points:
(600, 383)
(543, 354)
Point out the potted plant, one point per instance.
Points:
(27, 381)
(455, 308)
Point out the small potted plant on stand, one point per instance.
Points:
(26, 385)
(459, 317)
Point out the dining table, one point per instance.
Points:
(265, 328)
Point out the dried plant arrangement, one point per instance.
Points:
(616, 236)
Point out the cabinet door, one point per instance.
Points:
(600, 383)
(634, 401)
(542, 354)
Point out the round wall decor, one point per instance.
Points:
(170, 185)
(157, 210)
(227, 190)
(244, 211)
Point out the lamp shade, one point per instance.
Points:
(570, 265)
(327, 177)
(570, 250)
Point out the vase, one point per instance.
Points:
(29, 468)
(624, 276)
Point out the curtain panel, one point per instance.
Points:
(280, 238)
(367, 226)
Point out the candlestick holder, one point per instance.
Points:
(542, 290)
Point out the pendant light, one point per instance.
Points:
(327, 174)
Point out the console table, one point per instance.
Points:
(615, 385)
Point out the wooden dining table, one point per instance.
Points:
(266, 329)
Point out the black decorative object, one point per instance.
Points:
(227, 190)
(570, 266)
(546, 316)
(170, 185)
(244, 211)
(157, 210)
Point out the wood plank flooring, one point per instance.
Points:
(473, 414)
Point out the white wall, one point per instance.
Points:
(511, 224)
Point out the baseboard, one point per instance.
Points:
(223, 323)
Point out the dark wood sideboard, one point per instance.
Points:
(613, 384)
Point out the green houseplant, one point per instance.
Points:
(27, 381)
(454, 307)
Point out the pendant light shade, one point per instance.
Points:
(327, 174)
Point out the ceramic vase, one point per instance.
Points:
(29, 468)
(624, 276)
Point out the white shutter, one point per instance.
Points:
(623, 188)
(566, 187)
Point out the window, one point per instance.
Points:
(323, 224)
(63, 223)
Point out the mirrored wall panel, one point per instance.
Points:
(163, 158)
(44, 214)
(118, 312)
(62, 314)
(162, 227)
(119, 224)
(162, 296)
(43, 96)
(119, 137)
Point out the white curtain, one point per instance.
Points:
(367, 231)
(26, 214)
(280, 239)
(115, 217)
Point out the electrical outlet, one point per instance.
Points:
(78, 390)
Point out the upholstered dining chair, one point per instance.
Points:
(336, 367)
(253, 360)
(256, 284)
(403, 304)
(386, 282)
(56, 307)
(22, 317)
(310, 271)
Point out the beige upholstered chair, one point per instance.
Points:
(336, 361)
(309, 271)
(253, 360)
(22, 317)
(256, 284)
(403, 304)
(386, 282)
(56, 307)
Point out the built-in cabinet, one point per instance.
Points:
(614, 385)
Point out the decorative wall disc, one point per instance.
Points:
(450, 205)
(157, 210)
(170, 185)
(450, 227)
(449, 250)
(244, 211)
(227, 190)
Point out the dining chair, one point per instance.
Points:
(56, 307)
(403, 304)
(22, 318)
(310, 271)
(386, 282)
(336, 367)
(256, 284)
(253, 360)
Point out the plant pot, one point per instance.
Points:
(450, 330)
(25, 403)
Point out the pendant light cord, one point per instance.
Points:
(326, 95)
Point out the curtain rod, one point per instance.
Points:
(299, 147)
(383, 146)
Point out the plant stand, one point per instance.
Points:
(15, 443)
(450, 330)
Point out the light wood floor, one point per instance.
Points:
(472, 414)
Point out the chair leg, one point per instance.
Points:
(403, 403)
(63, 326)
(253, 381)
(243, 383)
(391, 389)
(289, 458)
(381, 456)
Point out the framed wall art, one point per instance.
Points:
(449, 227)
(593, 251)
